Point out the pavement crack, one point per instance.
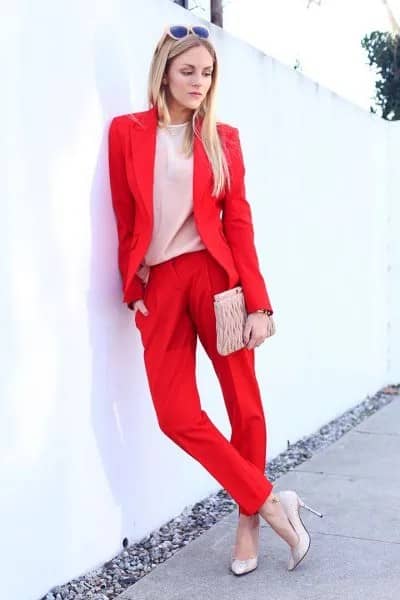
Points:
(355, 537)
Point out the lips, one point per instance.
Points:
(194, 94)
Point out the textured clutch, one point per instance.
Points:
(230, 315)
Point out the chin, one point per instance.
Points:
(191, 106)
(194, 100)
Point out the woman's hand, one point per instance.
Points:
(257, 329)
(140, 305)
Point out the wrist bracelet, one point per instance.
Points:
(266, 311)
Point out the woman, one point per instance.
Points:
(174, 171)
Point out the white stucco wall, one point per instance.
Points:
(393, 250)
(84, 464)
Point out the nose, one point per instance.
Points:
(196, 81)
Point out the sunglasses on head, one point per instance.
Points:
(179, 32)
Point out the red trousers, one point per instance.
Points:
(179, 297)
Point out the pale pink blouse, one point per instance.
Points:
(175, 230)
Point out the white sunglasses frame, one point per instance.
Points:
(167, 32)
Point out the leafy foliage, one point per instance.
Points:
(383, 49)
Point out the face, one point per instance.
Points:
(189, 72)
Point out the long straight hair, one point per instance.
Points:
(166, 50)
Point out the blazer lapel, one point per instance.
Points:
(143, 148)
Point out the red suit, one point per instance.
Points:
(179, 296)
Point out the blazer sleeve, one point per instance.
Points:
(239, 231)
(123, 204)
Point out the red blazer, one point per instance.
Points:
(229, 238)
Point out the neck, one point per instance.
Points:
(179, 114)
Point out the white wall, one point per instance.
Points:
(393, 251)
(84, 464)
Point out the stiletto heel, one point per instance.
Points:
(291, 503)
(309, 508)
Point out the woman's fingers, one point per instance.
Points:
(256, 330)
(247, 331)
(140, 305)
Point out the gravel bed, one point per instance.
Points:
(135, 561)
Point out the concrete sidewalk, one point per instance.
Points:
(355, 547)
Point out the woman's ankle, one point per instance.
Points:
(273, 513)
(247, 537)
(269, 505)
(250, 520)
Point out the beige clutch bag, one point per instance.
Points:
(231, 315)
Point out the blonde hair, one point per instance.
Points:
(166, 50)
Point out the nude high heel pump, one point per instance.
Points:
(241, 567)
(291, 503)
